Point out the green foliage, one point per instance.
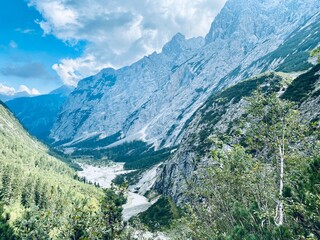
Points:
(6, 232)
(231, 200)
(160, 215)
(112, 211)
(316, 53)
(245, 88)
(117, 153)
(295, 50)
(131, 178)
(237, 196)
(302, 87)
(64, 158)
(272, 123)
(218, 104)
(42, 197)
(302, 196)
(145, 161)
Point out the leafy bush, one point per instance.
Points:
(160, 215)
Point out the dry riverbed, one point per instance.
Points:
(103, 175)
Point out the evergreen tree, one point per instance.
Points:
(111, 208)
(6, 232)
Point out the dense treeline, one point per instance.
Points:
(136, 155)
(41, 197)
(117, 153)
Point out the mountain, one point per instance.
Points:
(5, 98)
(228, 166)
(291, 56)
(228, 125)
(221, 114)
(153, 99)
(288, 70)
(290, 62)
(132, 90)
(63, 91)
(37, 114)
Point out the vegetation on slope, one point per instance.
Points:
(302, 86)
(218, 104)
(294, 52)
(264, 184)
(136, 155)
(161, 215)
(316, 53)
(42, 198)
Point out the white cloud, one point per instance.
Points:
(68, 67)
(5, 90)
(10, 91)
(25, 31)
(120, 32)
(32, 92)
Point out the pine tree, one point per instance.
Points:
(6, 232)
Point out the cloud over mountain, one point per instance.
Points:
(118, 33)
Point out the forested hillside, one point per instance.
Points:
(42, 198)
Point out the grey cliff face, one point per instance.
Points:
(153, 99)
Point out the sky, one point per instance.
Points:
(47, 43)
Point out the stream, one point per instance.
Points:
(136, 203)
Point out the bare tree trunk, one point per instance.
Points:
(281, 189)
(279, 212)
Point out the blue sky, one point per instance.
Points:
(26, 54)
(47, 43)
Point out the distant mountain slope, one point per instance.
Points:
(37, 114)
(4, 97)
(153, 99)
(291, 56)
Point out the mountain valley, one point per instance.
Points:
(214, 137)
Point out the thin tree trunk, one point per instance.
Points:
(279, 213)
(281, 190)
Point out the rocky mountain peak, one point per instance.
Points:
(179, 44)
(257, 19)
